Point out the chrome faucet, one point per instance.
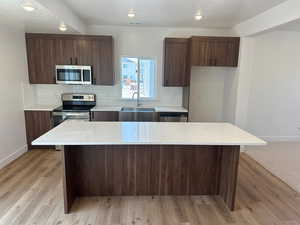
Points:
(137, 98)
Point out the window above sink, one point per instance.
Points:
(138, 78)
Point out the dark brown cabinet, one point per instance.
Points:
(215, 51)
(64, 51)
(105, 116)
(180, 54)
(41, 60)
(176, 62)
(103, 64)
(44, 51)
(37, 123)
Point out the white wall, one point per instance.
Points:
(281, 159)
(270, 91)
(128, 41)
(206, 94)
(275, 93)
(244, 76)
(13, 74)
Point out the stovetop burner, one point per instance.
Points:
(73, 102)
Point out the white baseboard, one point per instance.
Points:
(281, 138)
(13, 156)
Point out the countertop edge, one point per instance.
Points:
(152, 143)
(166, 109)
(40, 108)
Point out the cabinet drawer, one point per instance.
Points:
(105, 116)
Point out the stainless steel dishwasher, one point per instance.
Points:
(173, 117)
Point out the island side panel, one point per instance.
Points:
(146, 170)
(229, 162)
(69, 178)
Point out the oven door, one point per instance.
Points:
(59, 117)
(68, 75)
(77, 116)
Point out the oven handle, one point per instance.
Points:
(76, 114)
(66, 114)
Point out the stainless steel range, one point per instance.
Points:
(74, 107)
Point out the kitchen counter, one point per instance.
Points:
(106, 109)
(140, 158)
(157, 108)
(140, 133)
(40, 107)
(171, 109)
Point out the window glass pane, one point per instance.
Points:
(147, 78)
(129, 76)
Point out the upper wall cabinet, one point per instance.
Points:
(44, 51)
(215, 51)
(41, 60)
(176, 62)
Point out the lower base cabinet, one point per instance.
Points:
(37, 124)
(105, 116)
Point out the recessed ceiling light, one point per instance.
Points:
(63, 27)
(28, 6)
(131, 13)
(198, 16)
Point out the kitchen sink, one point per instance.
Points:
(138, 114)
(137, 109)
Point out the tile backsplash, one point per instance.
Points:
(43, 94)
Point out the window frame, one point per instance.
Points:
(155, 87)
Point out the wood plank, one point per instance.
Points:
(37, 124)
(228, 174)
(69, 178)
(145, 170)
(24, 203)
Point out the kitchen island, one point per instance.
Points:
(148, 158)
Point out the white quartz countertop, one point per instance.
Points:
(157, 108)
(140, 133)
(40, 107)
(106, 108)
(170, 109)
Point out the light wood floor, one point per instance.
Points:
(31, 193)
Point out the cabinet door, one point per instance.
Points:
(200, 51)
(105, 116)
(214, 51)
(218, 50)
(233, 52)
(195, 51)
(65, 51)
(37, 123)
(102, 56)
(176, 65)
(83, 52)
(41, 60)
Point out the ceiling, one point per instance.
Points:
(291, 26)
(161, 13)
(40, 20)
(173, 13)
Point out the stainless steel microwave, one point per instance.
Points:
(73, 74)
